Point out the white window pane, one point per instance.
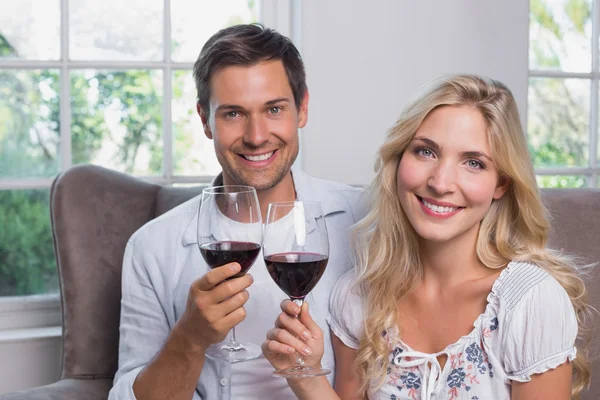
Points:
(29, 121)
(30, 29)
(560, 33)
(116, 120)
(116, 30)
(558, 122)
(193, 152)
(193, 22)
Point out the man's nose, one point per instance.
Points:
(256, 132)
(442, 178)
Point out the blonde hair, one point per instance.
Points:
(515, 227)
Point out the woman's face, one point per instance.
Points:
(446, 178)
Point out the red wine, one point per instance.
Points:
(296, 273)
(217, 254)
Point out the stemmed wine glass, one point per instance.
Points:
(230, 230)
(296, 251)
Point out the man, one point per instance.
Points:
(252, 98)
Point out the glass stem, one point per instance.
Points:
(233, 343)
(299, 302)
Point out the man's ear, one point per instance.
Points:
(204, 119)
(502, 186)
(303, 111)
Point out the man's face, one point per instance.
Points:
(254, 123)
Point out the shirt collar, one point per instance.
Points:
(312, 189)
(307, 189)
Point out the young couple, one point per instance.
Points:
(452, 293)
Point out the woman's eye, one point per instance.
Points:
(425, 152)
(475, 164)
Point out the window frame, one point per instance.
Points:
(592, 170)
(44, 310)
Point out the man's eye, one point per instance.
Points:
(231, 114)
(274, 110)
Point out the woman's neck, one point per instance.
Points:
(452, 262)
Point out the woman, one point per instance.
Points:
(454, 295)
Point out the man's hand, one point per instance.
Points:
(214, 306)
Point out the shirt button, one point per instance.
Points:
(223, 382)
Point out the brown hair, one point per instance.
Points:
(247, 45)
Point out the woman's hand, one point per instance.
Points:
(294, 334)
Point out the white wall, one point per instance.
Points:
(366, 59)
(29, 358)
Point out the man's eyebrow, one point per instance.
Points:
(466, 154)
(229, 107)
(278, 100)
(235, 107)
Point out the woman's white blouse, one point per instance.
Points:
(528, 327)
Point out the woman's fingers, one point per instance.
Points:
(309, 323)
(293, 325)
(286, 340)
(271, 348)
(289, 307)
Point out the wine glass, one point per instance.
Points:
(296, 251)
(230, 230)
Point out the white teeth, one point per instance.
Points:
(438, 209)
(259, 158)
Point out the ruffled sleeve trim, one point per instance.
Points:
(345, 310)
(339, 332)
(544, 365)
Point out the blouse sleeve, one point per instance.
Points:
(540, 332)
(345, 310)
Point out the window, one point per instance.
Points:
(104, 82)
(563, 92)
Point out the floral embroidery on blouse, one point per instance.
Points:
(494, 324)
(403, 378)
(487, 331)
(466, 375)
(466, 369)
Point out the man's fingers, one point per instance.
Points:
(231, 319)
(217, 275)
(289, 307)
(230, 288)
(231, 304)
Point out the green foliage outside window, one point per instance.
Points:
(27, 263)
(29, 147)
(558, 108)
(30, 141)
(121, 110)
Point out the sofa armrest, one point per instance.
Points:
(65, 389)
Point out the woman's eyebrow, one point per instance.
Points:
(465, 154)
